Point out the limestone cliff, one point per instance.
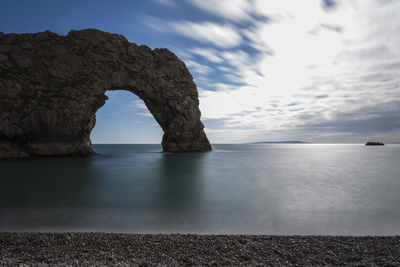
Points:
(51, 87)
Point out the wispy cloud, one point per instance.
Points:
(139, 107)
(209, 32)
(197, 67)
(220, 35)
(235, 10)
(208, 53)
(237, 58)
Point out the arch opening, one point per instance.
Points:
(125, 119)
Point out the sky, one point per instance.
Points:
(324, 71)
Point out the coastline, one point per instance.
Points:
(83, 249)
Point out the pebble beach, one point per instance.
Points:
(109, 249)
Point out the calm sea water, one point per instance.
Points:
(239, 189)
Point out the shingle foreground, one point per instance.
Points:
(86, 249)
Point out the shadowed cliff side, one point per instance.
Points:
(51, 87)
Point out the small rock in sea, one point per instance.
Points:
(374, 144)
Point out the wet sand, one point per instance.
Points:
(83, 249)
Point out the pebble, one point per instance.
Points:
(105, 249)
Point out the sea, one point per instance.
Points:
(272, 189)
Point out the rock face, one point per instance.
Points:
(374, 144)
(51, 87)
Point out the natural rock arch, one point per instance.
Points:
(51, 87)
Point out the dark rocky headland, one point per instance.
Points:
(99, 249)
(51, 87)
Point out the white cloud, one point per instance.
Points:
(209, 32)
(197, 67)
(237, 58)
(235, 10)
(139, 107)
(182, 54)
(208, 53)
(220, 35)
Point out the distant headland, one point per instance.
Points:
(281, 142)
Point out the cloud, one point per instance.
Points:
(208, 32)
(237, 58)
(220, 35)
(321, 96)
(349, 71)
(197, 67)
(208, 53)
(303, 73)
(139, 107)
(235, 10)
(325, 26)
(369, 119)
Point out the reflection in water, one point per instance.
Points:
(269, 189)
(37, 193)
(180, 190)
(180, 182)
(46, 183)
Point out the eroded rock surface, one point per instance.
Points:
(51, 87)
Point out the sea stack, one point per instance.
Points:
(374, 144)
(51, 87)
